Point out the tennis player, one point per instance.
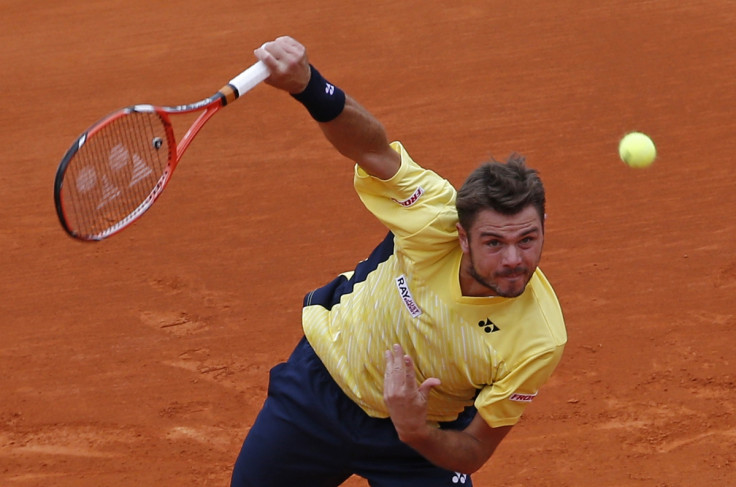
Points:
(417, 363)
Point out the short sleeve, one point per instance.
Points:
(503, 402)
(411, 201)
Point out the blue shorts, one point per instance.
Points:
(310, 434)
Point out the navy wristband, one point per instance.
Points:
(322, 99)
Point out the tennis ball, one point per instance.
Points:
(637, 150)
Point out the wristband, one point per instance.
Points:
(322, 99)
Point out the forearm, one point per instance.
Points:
(359, 136)
(353, 131)
(453, 450)
(462, 451)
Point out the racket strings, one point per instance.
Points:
(116, 171)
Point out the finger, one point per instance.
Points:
(393, 374)
(408, 364)
(396, 356)
(292, 47)
(393, 363)
(399, 365)
(261, 53)
(264, 54)
(427, 385)
(388, 356)
(271, 52)
(393, 378)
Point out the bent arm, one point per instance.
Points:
(462, 451)
(355, 133)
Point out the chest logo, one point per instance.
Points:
(407, 298)
(488, 326)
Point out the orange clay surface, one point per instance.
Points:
(143, 360)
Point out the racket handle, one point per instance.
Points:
(250, 78)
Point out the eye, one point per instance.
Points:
(527, 241)
(493, 243)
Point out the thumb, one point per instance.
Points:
(427, 385)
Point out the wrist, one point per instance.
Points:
(322, 99)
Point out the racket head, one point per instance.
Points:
(114, 172)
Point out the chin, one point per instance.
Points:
(513, 290)
(512, 293)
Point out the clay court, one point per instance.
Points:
(143, 360)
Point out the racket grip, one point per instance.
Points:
(250, 78)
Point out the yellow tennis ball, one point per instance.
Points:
(637, 150)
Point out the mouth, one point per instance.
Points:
(513, 275)
(513, 282)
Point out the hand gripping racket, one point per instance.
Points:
(119, 166)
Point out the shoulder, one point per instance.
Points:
(549, 307)
(411, 184)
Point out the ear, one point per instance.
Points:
(462, 237)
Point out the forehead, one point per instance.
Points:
(491, 222)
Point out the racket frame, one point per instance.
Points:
(237, 87)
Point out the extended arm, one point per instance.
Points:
(355, 133)
(457, 450)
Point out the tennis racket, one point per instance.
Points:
(119, 166)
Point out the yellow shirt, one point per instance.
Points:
(492, 352)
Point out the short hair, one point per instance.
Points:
(506, 187)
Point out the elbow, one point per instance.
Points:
(383, 165)
(472, 466)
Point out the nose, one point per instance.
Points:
(512, 256)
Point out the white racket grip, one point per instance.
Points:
(250, 78)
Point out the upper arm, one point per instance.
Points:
(383, 164)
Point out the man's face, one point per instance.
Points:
(501, 253)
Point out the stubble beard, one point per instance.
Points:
(496, 288)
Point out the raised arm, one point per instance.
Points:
(349, 127)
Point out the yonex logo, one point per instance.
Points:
(329, 89)
(412, 199)
(406, 296)
(459, 478)
(488, 326)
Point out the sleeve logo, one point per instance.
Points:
(522, 397)
(412, 199)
